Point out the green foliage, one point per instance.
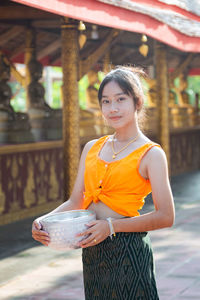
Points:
(101, 76)
(176, 82)
(193, 87)
(82, 87)
(56, 94)
(194, 83)
(18, 100)
(19, 95)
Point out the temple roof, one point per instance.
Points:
(175, 23)
(191, 6)
(181, 21)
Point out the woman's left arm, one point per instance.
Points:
(164, 214)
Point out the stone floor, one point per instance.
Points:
(32, 272)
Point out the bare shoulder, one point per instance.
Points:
(89, 145)
(156, 153)
(156, 160)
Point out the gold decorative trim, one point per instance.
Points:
(28, 212)
(30, 147)
(69, 26)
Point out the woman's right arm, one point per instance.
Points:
(74, 202)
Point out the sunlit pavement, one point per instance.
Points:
(35, 272)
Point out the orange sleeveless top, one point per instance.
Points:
(118, 184)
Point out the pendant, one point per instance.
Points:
(113, 156)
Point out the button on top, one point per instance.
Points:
(106, 165)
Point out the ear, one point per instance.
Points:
(139, 104)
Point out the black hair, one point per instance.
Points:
(128, 78)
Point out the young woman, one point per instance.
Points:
(116, 173)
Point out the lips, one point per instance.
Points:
(115, 118)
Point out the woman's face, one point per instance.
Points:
(117, 108)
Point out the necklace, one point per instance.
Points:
(112, 145)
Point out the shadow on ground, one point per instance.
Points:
(66, 287)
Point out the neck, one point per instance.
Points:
(125, 135)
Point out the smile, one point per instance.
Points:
(115, 118)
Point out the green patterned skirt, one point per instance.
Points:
(121, 268)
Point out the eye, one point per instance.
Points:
(121, 99)
(105, 101)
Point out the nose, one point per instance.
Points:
(114, 107)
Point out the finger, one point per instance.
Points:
(44, 243)
(89, 231)
(37, 225)
(91, 240)
(81, 233)
(92, 223)
(90, 244)
(40, 232)
(40, 236)
(41, 239)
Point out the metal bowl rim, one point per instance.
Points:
(89, 213)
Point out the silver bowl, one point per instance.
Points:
(63, 228)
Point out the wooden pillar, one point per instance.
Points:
(30, 53)
(162, 97)
(106, 62)
(71, 139)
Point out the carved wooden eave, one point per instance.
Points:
(86, 64)
(17, 51)
(174, 25)
(47, 23)
(20, 49)
(53, 46)
(170, 18)
(10, 34)
(181, 67)
(22, 12)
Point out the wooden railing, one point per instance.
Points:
(31, 175)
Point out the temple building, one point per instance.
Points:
(40, 148)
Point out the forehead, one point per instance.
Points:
(112, 88)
